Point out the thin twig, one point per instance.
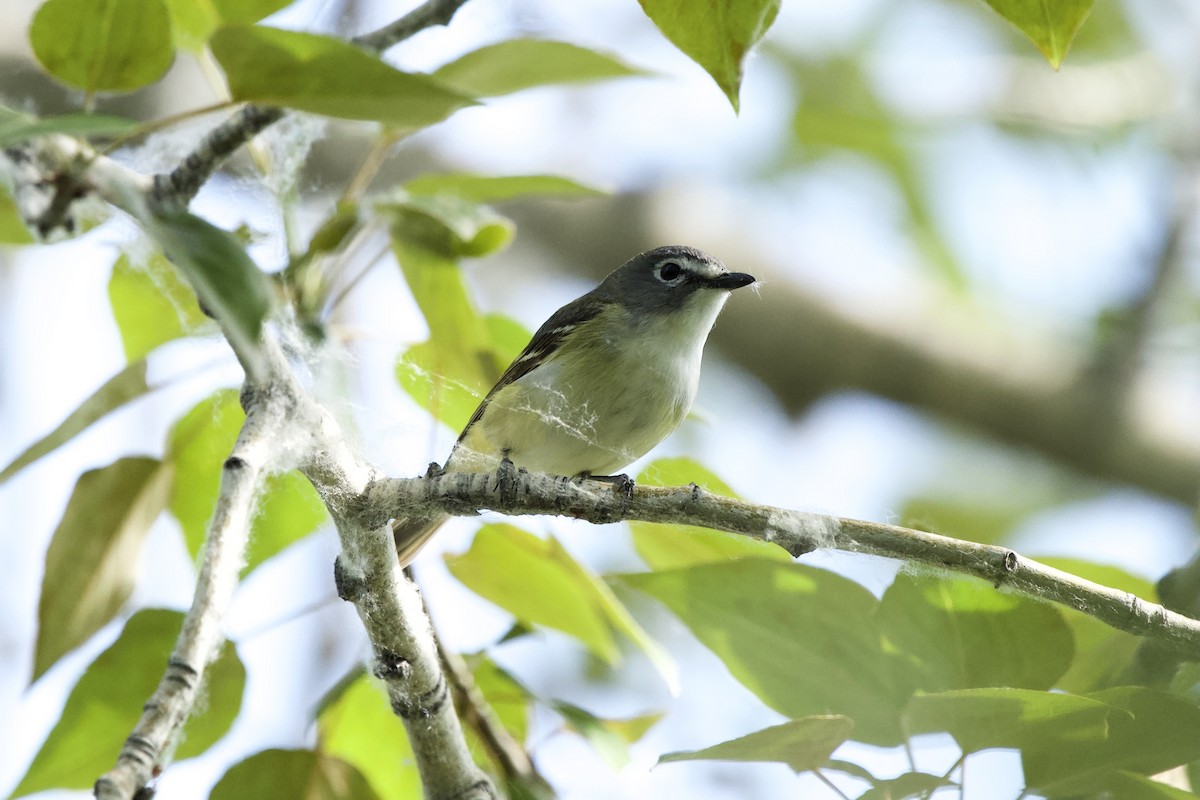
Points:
(426, 15)
(830, 784)
(181, 184)
(511, 491)
(509, 755)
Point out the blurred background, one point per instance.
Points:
(978, 313)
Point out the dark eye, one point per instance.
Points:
(669, 271)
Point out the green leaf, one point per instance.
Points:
(107, 702)
(12, 227)
(448, 226)
(717, 36)
(359, 728)
(963, 517)
(491, 189)
(198, 444)
(672, 546)
(244, 12)
(124, 387)
(293, 773)
(538, 582)
(327, 76)
(450, 373)
(1157, 732)
(16, 127)
(1049, 24)
(192, 23)
(227, 282)
(910, 784)
(1121, 784)
(504, 695)
(961, 634)
(103, 45)
(466, 352)
(803, 744)
(1031, 721)
(92, 562)
(151, 304)
(517, 64)
(610, 738)
(772, 623)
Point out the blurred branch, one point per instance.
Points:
(513, 491)
(1119, 358)
(802, 346)
(181, 184)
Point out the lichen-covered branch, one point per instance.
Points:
(513, 491)
(254, 454)
(388, 604)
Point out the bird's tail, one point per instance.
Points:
(412, 533)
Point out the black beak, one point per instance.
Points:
(731, 281)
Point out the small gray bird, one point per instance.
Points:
(603, 381)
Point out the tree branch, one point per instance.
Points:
(254, 454)
(282, 422)
(509, 756)
(518, 492)
(369, 576)
(426, 15)
(181, 184)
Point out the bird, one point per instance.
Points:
(605, 379)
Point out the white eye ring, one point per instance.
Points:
(670, 272)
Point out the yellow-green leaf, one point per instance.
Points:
(803, 744)
(664, 546)
(717, 36)
(92, 562)
(293, 773)
(805, 640)
(517, 64)
(107, 702)
(197, 446)
(359, 727)
(16, 127)
(324, 75)
(103, 45)
(538, 582)
(496, 188)
(961, 633)
(610, 738)
(1050, 24)
(124, 387)
(151, 304)
(12, 227)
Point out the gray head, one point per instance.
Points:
(669, 278)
